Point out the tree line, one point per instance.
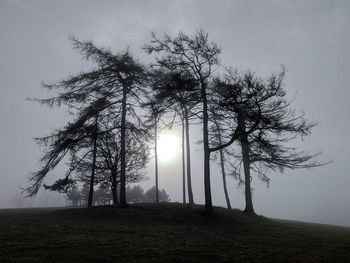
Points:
(78, 197)
(118, 107)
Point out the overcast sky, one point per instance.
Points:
(311, 38)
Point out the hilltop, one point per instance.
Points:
(163, 233)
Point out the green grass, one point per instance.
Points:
(164, 233)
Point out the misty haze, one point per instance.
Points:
(174, 131)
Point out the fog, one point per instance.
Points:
(311, 38)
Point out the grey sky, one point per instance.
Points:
(311, 38)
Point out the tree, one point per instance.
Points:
(118, 81)
(108, 159)
(125, 78)
(93, 167)
(135, 194)
(137, 156)
(195, 55)
(183, 161)
(74, 195)
(103, 195)
(67, 140)
(173, 92)
(217, 129)
(155, 115)
(151, 195)
(264, 124)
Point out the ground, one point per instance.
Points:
(163, 233)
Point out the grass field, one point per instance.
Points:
(164, 233)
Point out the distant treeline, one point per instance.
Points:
(102, 195)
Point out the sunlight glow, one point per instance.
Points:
(168, 147)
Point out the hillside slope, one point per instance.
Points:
(164, 233)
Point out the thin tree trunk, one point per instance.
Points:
(114, 190)
(92, 178)
(156, 158)
(207, 188)
(188, 155)
(183, 162)
(123, 203)
(222, 161)
(249, 209)
(114, 173)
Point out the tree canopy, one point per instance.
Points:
(118, 105)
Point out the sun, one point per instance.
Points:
(168, 147)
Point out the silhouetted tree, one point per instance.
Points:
(217, 131)
(196, 55)
(67, 140)
(121, 79)
(171, 93)
(85, 190)
(108, 157)
(103, 195)
(151, 195)
(135, 194)
(74, 196)
(93, 167)
(118, 80)
(183, 161)
(61, 185)
(155, 112)
(264, 123)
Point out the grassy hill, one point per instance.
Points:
(164, 233)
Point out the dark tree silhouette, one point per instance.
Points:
(217, 138)
(151, 195)
(135, 194)
(137, 156)
(61, 185)
(198, 56)
(173, 92)
(65, 141)
(74, 195)
(155, 112)
(264, 123)
(118, 80)
(108, 159)
(93, 167)
(103, 195)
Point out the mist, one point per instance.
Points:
(309, 38)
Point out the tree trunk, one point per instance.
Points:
(183, 162)
(222, 161)
(249, 209)
(114, 190)
(156, 158)
(123, 203)
(188, 156)
(207, 188)
(92, 178)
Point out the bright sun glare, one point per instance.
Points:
(168, 147)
